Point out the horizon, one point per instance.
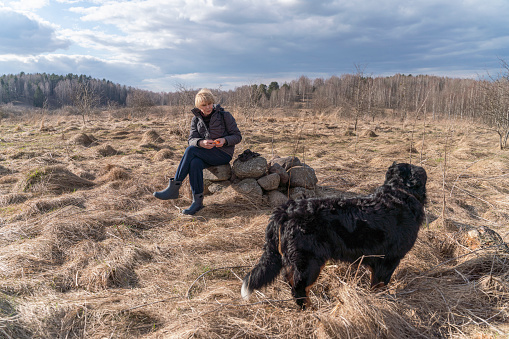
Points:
(246, 84)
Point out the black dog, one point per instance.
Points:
(379, 228)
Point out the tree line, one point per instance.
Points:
(55, 91)
(351, 95)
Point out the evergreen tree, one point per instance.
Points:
(38, 97)
(274, 86)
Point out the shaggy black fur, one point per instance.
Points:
(379, 228)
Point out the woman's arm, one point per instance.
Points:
(194, 136)
(234, 136)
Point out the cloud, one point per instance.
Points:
(25, 36)
(125, 73)
(222, 41)
(267, 34)
(28, 5)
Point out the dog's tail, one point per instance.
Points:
(269, 265)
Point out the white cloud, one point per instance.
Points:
(28, 5)
(123, 72)
(26, 36)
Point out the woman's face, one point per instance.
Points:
(206, 109)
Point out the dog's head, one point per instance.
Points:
(410, 178)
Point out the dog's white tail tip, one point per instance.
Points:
(245, 292)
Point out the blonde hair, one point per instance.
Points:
(204, 97)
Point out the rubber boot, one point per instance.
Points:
(196, 205)
(170, 192)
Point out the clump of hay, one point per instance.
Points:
(8, 179)
(44, 128)
(3, 170)
(13, 198)
(24, 258)
(70, 129)
(52, 316)
(151, 136)
(82, 139)
(411, 149)
(365, 315)
(52, 179)
(369, 134)
(489, 167)
(178, 130)
(55, 319)
(96, 266)
(107, 151)
(51, 204)
(113, 173)
(163, 154)
(23, 155)
(80, 171)
(64, 233)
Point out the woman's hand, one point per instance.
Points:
(209, 143)
(219, 142)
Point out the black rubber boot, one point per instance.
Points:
(170, 192)
(196, 205)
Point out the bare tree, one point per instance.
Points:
(85, 98)
(495, 105)
(363, 93)
(139, 100)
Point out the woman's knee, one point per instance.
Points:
(191, 150)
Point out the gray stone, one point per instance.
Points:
(216, 187)
(217, 173)
(249, 188)
(287, 162)
(283, 174)
(276, 198)
(302, 176)
(253, 168)
(269, 182)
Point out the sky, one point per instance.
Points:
(163, 45)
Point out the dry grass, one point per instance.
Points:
(87, 252)
(51, 180)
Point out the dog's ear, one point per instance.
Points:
(392, 167)
(392, 172)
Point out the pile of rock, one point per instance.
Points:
(262, 181)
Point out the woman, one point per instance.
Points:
(214, 134)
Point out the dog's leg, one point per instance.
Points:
(375, 283)
(289, 275)
(305, 275)
(381, 272)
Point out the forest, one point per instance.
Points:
(351, 95)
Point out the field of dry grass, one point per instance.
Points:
(88, 252)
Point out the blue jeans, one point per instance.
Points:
(193, 162)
